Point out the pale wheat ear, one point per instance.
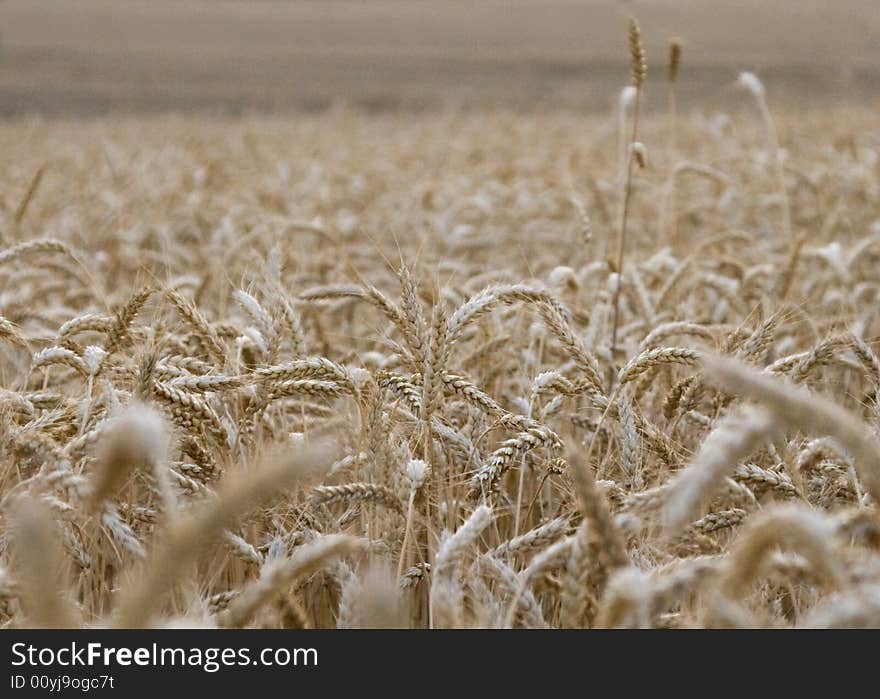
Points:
(136, 439)
(41, 570)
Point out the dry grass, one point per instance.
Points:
(379, 371)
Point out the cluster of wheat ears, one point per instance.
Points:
(456, 370)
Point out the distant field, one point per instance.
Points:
(94, 56)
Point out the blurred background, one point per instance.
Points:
(85, 57)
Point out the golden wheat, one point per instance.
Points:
(378, 370)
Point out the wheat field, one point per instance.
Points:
(446, 370)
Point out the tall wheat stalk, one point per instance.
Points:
(638, 71)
